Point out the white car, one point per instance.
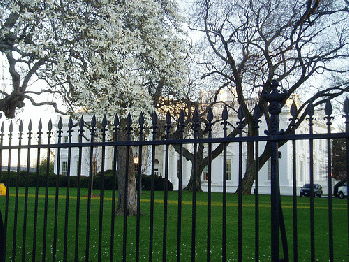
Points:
(342, 191)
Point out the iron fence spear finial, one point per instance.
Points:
(275, 98)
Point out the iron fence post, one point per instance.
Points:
(274, 97)
(346, 116)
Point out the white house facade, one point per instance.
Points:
(232, 163)
(232, 159)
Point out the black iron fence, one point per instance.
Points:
(45, 219)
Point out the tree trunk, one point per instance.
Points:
(249, 178)
(125, 167)
(190, 186)
(338, 185)
(9, 104)
(250, 174)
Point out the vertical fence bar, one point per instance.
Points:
(14, 236)
(310, 111)
(55, 233)
(44, 239)
(78, 196)
(2, 226)
(167, 127)
(180, 185)
(8, 178)
(101, 197)
(346, 111)
(295, 205)
(139, 190)
(90, 188)
(256, 116)
(128, 147)
(240, 117)
(256, 192)
(274, 204)
(224, 224)
(66, 216)
(196, 125)
(294, 181)
(26, 196)
(37, 181)
(209, 185)
(112, 230)
(151, 226)
(328, 117)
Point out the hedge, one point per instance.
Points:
(29, 179)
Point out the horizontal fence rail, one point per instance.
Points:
(109, 195)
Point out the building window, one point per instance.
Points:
(301, 167)
(205, 173)
(179, 168)
(228, 169)
(64, 168)
(65, 139)
(156, 167)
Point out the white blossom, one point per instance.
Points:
(104, 55)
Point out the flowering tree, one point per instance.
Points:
(83, 48)
(102, 56)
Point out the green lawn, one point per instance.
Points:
(340, 225)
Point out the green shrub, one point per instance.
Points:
(159, 183)
(146, 182)
(23, 179)
(43, 167)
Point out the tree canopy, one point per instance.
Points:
(252, 42)
(246, 45)
(99, 55)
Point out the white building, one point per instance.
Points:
(75, 151)
(232, 159)
(285, 163)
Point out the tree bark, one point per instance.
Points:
(195, 177)
(9, 104)
(190, 186)
(249, 178)
(251, 169)
(338, 185)
(125, 167)
(250, 175)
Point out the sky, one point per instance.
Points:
(28, 112)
